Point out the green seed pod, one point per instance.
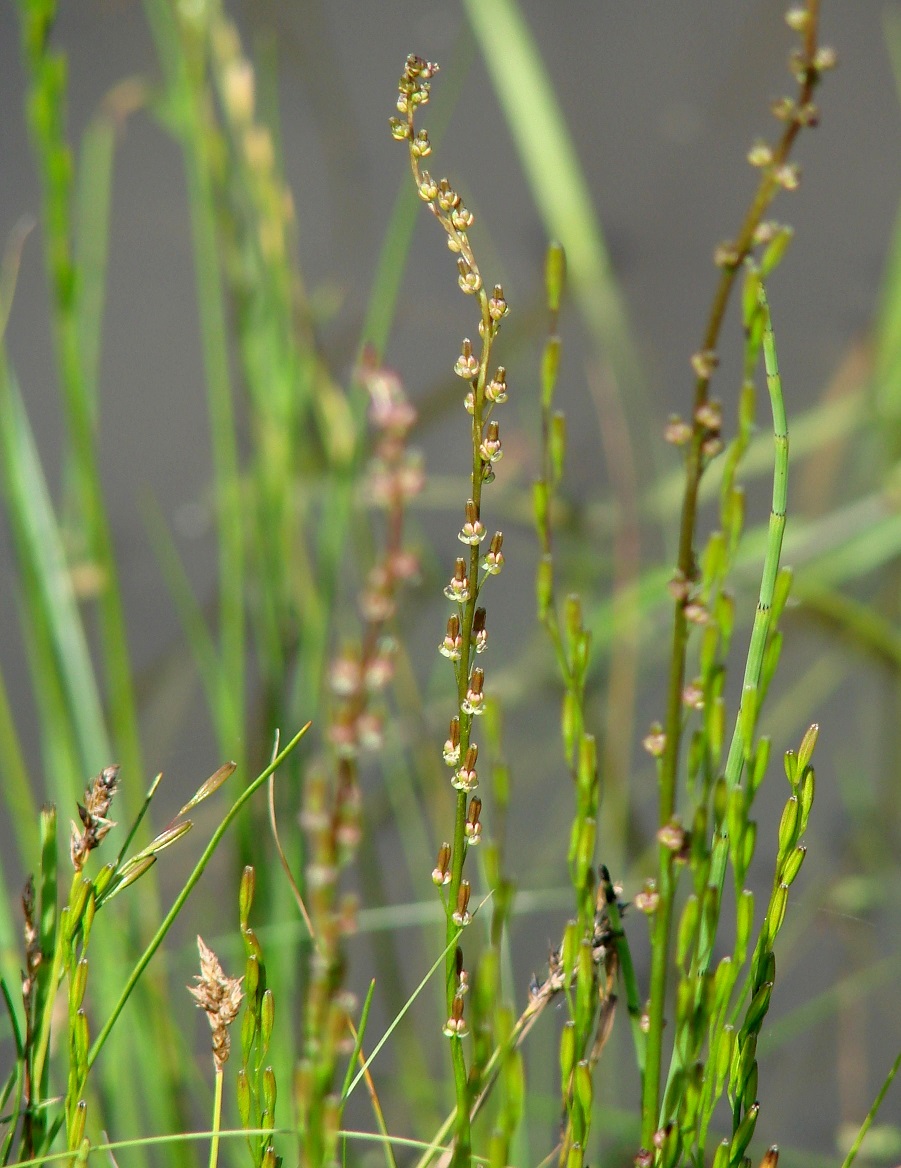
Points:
(77, 899)
(515, 1083)
(550, 367)
(570, 950)
(756, 1012)
(267, 1019)
(585, 985)
(723, 983)
(688, 924)
(743, 1135)
(554, 275)
(792, 865)
(788, 827)
(80, 1038)
(721, 1057)
(248, 1033)
(245, 895)
(720, 802)
(716, 727)
(583, 1088)
(581, 655)
(544, 587)
(557, 444)
(76, 1133)
(251, 980)
(790, 762)
(759, 763)
(87, 918)
(710, 639)
(79, 984)
(749, 1094)
(694, 1085)
(572, 616)
(587, 774)
(805, 794)
(252, 947)
(570, 722)
(585, 851)
(748, 844)
(721, 1158)
(270, 1090)
(540, 504)
(776, 914)
(764, 969)
(567, 1052)
(575, 1156)
(744, 924)
(713, 561)
(102, 879)
(710, 908)
(736, 814)
(724, 612)
(775, 250)
(808, 743)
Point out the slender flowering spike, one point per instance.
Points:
(473, 530)
(474, 703)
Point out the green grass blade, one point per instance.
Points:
(41, 552)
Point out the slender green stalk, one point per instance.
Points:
(871, 1114)
(217, 1117)
(741, 746)
(776, 175)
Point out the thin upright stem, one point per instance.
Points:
(768, 187)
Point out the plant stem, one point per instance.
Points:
(694, 468)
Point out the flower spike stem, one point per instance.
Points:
(486, 387)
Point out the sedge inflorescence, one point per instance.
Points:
(466, 631)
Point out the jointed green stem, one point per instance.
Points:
(660, 941)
